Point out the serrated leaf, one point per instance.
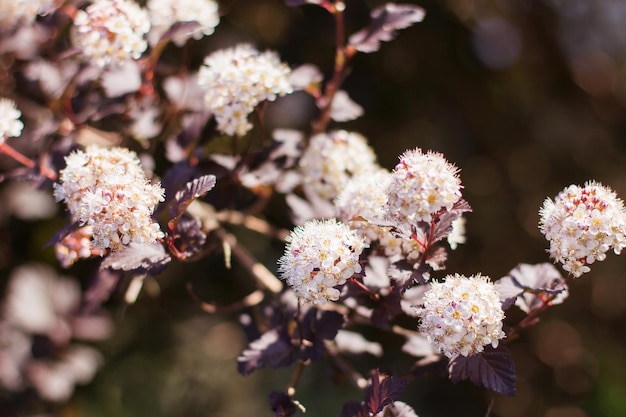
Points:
(387, 309)
(493, 369)
(343, 109)
(417, 345)
(141, 258)
(386, 20)
(193, 189)
(99, 290)
(179, 29)
(121, 80)
(355, 343)
(526, 282)
(282, 405)
(191, 238)
(318, 326)
(305, 76)
(380, 393)
(273, 349)
(354, 409)
(444, 226)
(405, 275)
(61, 234)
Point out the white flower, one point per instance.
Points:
(111, 32)
(462, 315)
(14, 12)
(10, 123)
(362, 204)
(581, 224)
(236, 80)
(164, 13)
(457, 236)
(107, 190)
(320, 255)
(332, 159)
(362, 201)
(421, 185)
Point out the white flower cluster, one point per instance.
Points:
(14, 12)
(10, 123)
(583, 223)
(164, 13)
(421, 185)
(320, 255)
(462, 315)
(362, 204)
(330, 160)
(111, 32)
(107, 190)
(235, 80)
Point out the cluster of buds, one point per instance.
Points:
(236, 80)
(582, 224)
(107, 190)
(111, 32)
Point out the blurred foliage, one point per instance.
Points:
(526, 97)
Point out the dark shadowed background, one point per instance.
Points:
(525, 97)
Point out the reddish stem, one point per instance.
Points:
(533, 317)
(26, 161)
(362, 286)
(342, 56)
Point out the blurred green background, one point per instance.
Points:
(524, 96)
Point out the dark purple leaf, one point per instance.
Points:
(193, 189)
(493, 369)
(406, 274)
(433, 366)
(344, 109)
(436, 259)
(317, 326)
(444, 225)
(99, 290)
(141, 258)
(293, 3)
(121, 80)
(190, 237)
(314, 207)
(179, 29)
(526, 282)
(282, 404)
(354, 343)
(61, 234)
(417, 345)
(273, 348)
(304, 76)
(184, 93)
(386, 20)
(354, 409)
(52, 77)
(380, 393)
(388, 309)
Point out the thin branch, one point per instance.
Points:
(258, 271)
(345, 366)
(341, 63)
(252, 299)
(252, 223)
(533, 317)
